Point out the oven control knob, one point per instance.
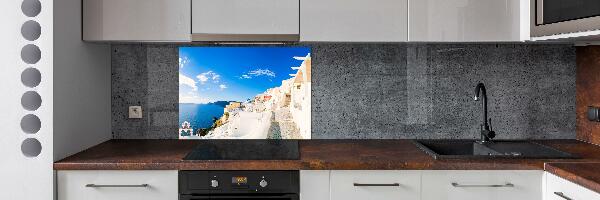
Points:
(263, 183)
(214, 183)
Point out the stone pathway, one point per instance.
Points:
(282, 125)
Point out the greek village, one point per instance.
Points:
(281, 112)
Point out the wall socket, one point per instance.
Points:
(135, 112)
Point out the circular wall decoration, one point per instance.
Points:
(31, 8)
(31, 100)
(31, 77)
(31, 147)
(31, 54)
(31, 30)
(31, 124)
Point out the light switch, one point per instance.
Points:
(135, 112)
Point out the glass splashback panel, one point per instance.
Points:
(244, 93)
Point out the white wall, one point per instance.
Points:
(82, 108)
(22, 177)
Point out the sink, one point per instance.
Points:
(469, 149)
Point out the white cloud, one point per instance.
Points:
(192, 98)
(222, 87)
(184, 80)
(204, 77)
(183, 61)
(246, 76)
(258, 72)
(262, 72)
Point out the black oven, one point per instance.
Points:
(237, 185)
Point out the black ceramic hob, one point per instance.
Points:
(245, 150)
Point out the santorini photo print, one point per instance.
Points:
(244, 93)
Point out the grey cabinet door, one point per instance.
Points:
(354, 20)
(468, 21)
(238, 20)
(136, 20)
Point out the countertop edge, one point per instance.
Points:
(572, 177)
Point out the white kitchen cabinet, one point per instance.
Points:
(482, 185)
(375, 185)
(560, 189)
(468, 21)
(117, 185)
(245, 20)
(136, 20)
(314, 185)
(354, 20)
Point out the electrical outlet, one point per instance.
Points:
(135, 112)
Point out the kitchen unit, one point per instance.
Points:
(426, 184)
(99, 184)
(136, 20)
(239, 20)
(558, 188)
(355, 21)
(408, 172)
(306, 21)
(468, 21)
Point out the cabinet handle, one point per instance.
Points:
(469, 186)
(115, 186)
(562, 195)
(376, 184)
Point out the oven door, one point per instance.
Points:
(551, 17)
(240, 197)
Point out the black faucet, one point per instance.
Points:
(487, 134)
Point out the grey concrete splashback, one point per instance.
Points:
(383, 91)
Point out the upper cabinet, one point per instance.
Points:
(307, 20)
(468, 21)
(245, 20)
(354, 20)
(136, 20)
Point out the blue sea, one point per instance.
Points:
(199, 115)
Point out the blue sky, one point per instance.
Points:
(208, 74)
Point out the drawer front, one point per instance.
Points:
(117, 185)
(482, 185)
(314, 184)
(560, 189)
(375, 185)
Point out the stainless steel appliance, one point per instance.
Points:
(552, 17)
(239, 185)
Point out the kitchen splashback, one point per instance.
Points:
(382, 91)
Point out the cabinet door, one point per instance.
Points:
(314, 185)
(560, 189)
(482, 185)
(375, 185)
(117, 185)
(136, 20)
(354, 20)
(468, 21)
(236, 20)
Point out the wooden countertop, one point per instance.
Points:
(584, 174)
(314, 155)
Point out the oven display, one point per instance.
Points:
(239, 180)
